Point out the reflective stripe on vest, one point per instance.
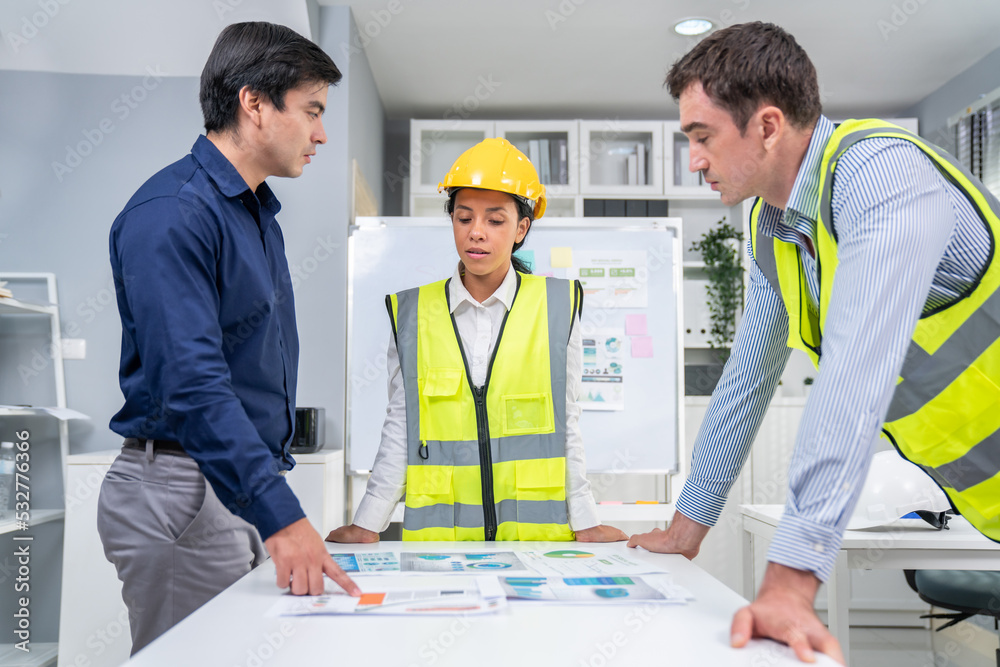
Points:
(944, 412)
(522, 428)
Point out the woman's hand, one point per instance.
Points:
(351, 535)
(600, 533)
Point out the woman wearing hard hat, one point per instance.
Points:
(482, 428)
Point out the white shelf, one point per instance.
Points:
(40, 654)
(37, 517)
(15, 306)
(62, 414)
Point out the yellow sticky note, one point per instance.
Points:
(561, 258)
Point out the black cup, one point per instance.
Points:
(310, 430)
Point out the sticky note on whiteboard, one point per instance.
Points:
(635, 325)
(526, 256)
(642, 346)
(561, 258)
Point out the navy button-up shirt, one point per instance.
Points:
(209, 344)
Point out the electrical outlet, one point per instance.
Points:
(74, 348)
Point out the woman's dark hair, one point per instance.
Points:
(525, 209)
(749, 64)
(270, 59)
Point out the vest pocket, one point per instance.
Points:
(525, 414)
(429, 485)
(441, 405)
(541, 479)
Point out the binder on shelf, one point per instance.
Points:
(683, 158)
(563, 162)
(544, 169)
(640, 169)
(534, 155)
(631, 164)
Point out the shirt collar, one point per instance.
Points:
(803, 202)
(802, 209)
(227, 178)
(457, 293)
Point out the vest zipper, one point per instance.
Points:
(482, 418)
(485, 464)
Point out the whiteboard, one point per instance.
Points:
(388, 255)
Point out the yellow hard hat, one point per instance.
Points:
(496, 164)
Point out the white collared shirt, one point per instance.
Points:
(479, 327)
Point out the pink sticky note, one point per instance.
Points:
(642, 346)
(635, 325)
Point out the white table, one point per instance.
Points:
(232, 628)
(906, 544)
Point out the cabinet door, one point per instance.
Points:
(551, 145)
(680, 181)
(436, 144)
(621, 157)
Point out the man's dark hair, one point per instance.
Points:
(270, 59)
(746, 65)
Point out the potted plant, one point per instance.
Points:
(720, 249)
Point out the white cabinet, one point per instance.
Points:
(32, 415)
(679, 180)
(552, 147)
(434, 147)
(621, 158)
(95, 628)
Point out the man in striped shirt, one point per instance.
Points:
(908, 242)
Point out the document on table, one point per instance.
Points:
(364, 562)
(424, 596)
(440, 562)
(596, 590)
(588, 562)
(570, 562)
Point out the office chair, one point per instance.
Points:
(967, 593)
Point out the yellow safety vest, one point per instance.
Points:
(945, 410)
(486, 463)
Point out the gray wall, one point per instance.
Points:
(57, 219)
(967, 87)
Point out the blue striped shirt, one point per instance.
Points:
(908, 241)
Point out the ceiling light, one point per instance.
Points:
(692, 27)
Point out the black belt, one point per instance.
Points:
(159, 446)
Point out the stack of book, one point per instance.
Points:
(683, 176)
(635, 166)
(551, 158)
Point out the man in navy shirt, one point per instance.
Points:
(210, 348)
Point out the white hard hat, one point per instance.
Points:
(894, 488)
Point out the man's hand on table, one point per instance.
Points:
(783, 611)
(300, 557)
(683, 536)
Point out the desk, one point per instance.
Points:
(906, 544)
(232, 629)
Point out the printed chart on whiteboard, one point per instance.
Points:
(603, 385)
